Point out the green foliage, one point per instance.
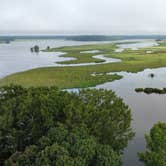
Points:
(23, 158)
(106, 156)
(151, 90)
(139, 90)
(155, 154)
(46, 127)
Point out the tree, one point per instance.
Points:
(32, 49)
(155, 154)
(36, 48)
(47, 126)
(106, 156)
(23, 158)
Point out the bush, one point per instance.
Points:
(151, 90)
(139, 89)
(155, 154)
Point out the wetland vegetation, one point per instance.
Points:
(80, 76)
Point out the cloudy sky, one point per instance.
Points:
(83, 17)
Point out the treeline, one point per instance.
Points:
(45, 126)
(151, 90)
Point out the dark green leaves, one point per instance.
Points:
(155, 155)
(46, 126)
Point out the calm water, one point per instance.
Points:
(146, 109)
(16, 56)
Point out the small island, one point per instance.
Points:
(151, 90)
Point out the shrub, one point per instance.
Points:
(155, 154)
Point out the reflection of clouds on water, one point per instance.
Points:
(146, 109)
(130, 81)
(16, 56)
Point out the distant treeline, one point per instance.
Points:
(84, 37)
(6, 39)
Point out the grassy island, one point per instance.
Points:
(81, 76)
(82, 54)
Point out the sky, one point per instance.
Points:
(106, 17)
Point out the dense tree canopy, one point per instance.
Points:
(48, 127)
(155, 154)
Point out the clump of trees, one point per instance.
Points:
(155, 154)
(45, 126)
(35, 49)
(151, 90)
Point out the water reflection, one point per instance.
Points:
(146, 109)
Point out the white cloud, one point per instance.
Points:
(83, 16)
